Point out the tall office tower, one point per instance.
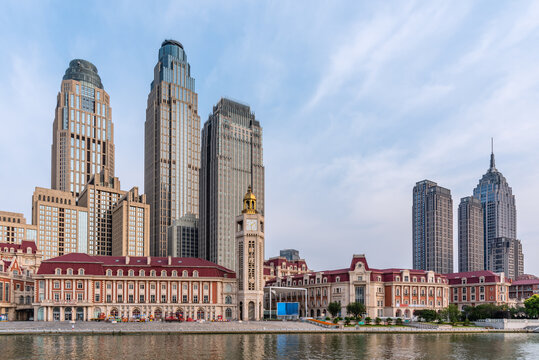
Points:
(62, 225)
(100, 196)
(15, 230)
(471, 249)
(83, 134)
(499, 211)
(506, 256)
(171, 144)
(231, 160)
(432, 216)
(131, 225)
(183, 237)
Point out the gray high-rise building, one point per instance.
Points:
(471, 248)
(505, 255)
(499, 210)
(290, 254)
(432, 217)
(231, 160)
(172, 144)
(183, 237)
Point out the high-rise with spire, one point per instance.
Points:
(231, 161)
(172, 144)
(83, 133)
(499, 211)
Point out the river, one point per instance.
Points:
(271, 346)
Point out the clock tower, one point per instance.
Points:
(250, 260)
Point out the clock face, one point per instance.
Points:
(251, 225)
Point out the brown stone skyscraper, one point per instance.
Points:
(471, 249)
(432, 227)
(171, 144)
(83, 134)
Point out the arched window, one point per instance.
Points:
(58, 271)
(152, 273)
(131, 273)
(120, 273)
(163, 273)
(185, 273)
(69, 271)
(81, 271)
(195, 273)
(174, 273)
(141, 273)
(228, 299)
(109, 272)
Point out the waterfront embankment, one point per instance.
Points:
(255, 327)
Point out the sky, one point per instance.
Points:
(358, 101)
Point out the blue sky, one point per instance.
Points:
(358, 101)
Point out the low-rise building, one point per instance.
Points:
(384, 292)
(82, 287)
(523, 287)
(478, 287)
(280, 266)
(16, 290)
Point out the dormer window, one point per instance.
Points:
(163, 273)
(185, 273)
(141, 273)
(482, 279)
(120, 273)
(81, 271)
(406, 278)
(152, 273)
(463, 281)
(397, 278)
(337, 279)
(415, 279)
(174, 273)
(109, 272)
(58, 272)
(69, 271)
(195, 273)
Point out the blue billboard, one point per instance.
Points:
(287, 309)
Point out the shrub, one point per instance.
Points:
(336, 320)
(368, 320)
(399, 321)
(389, 321)
(377, 321)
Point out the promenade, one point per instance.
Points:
(29, 327)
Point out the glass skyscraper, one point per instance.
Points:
(172, 144)
(231, 161)
(83, 134)
(499, 211)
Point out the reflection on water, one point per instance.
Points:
(266, 346)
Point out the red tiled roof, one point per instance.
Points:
(25, 244)
(98, 265)
(472, 277)
(526, 282)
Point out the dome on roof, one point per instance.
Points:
(249, 202)
(82, 70)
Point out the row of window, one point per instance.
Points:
(120, 272)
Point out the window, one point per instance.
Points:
(97, 298)
(120, 273)
(81, 271)
(141, 298)
(184, 298)
(97, 284)
(68, 284)
(463, 281)
(195, 298)
(79, 297)
(163, 273)
(195, 273)
(56, 285)
(131, 273)
(152, 273)
(185, 273)
(141, 273)
(406, 279)
(109, 272)
(228, 299)
(79, 285)
(58, 272)
(174, 273)
(69, 271)
(205, 299)
(163, 298)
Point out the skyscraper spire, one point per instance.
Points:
(492, 161)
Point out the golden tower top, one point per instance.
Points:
(249, 202)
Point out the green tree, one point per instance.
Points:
(451, 313)
(427, 315)
(355, 309)
(377, 321)
(532, 306)
(334, 308)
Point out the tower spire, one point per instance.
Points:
(492, 161)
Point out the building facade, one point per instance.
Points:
(83, 133)
(15, 230)
(432, 219)
(62, 225)
(100, 196)
(280, 266)
(523, 287)
(385, 292)
(478, 287)
(499, 210)
(290, 254)
(171, 144)
(183, 237)
(231, 160)
(84, 287)
(131, 225)
(250, 260)
(505, 255)
(26, 253)
(470, 227)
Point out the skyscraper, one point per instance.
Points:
(183, 237)
(499, 211)
(505, 255)
(231, 160)
(83, 134)
(471, 248)
(432, 217)
(172, 144)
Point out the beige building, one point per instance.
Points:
(83, 134)
(171, 144)
(279, 266)
(385, 292)
(250, 260)
(471, 246)
(27, 254)
(14, 229)
(84, 287)
(100, 196)
(131, 225)
(62, 225)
